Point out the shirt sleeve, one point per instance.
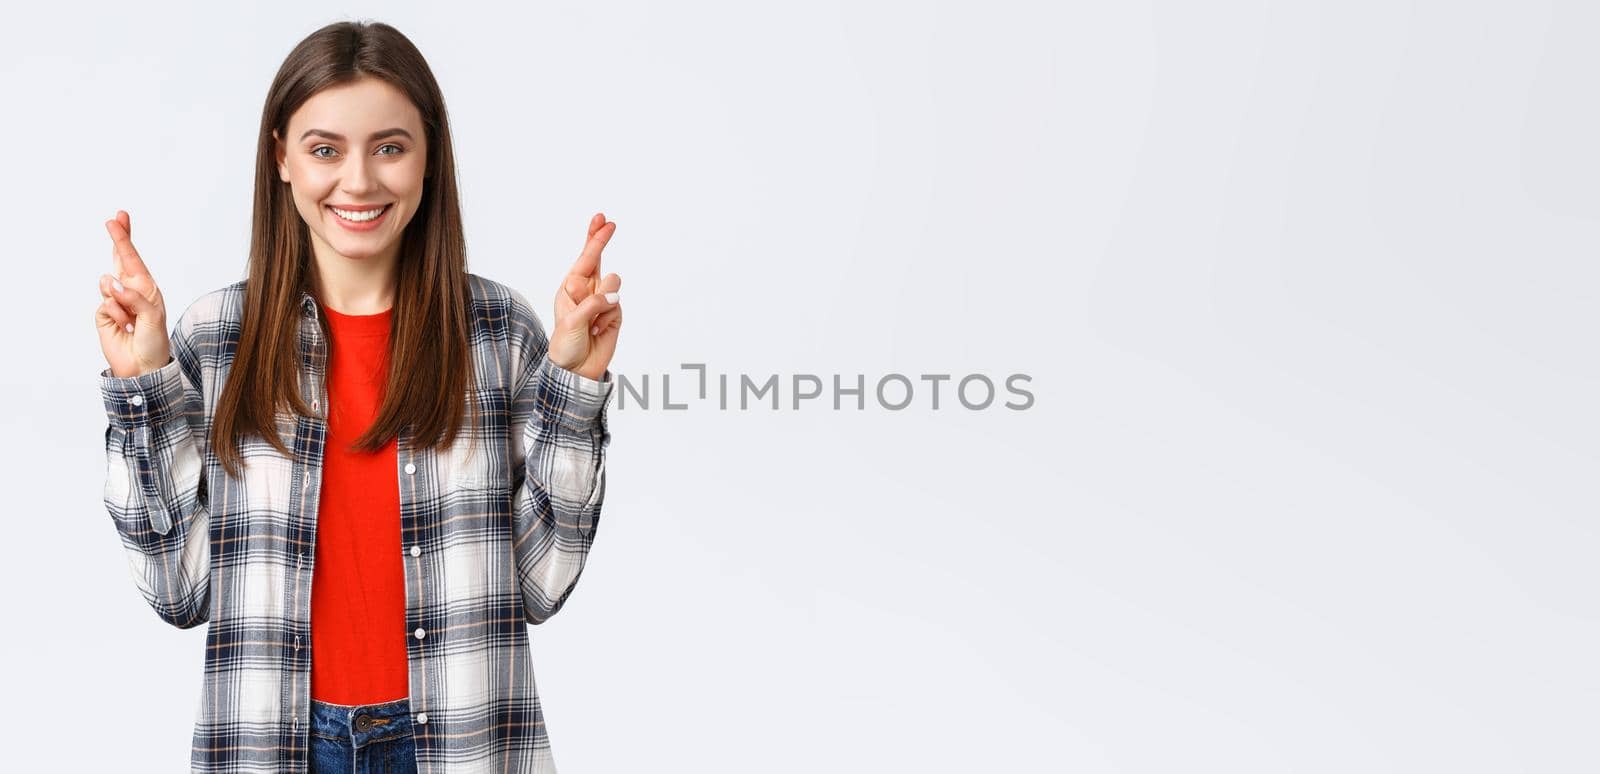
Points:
(155, 483)
(559, 439)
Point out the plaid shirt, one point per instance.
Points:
(495, 531)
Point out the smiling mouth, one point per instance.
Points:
(360, 216)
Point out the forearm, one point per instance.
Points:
(154, 488)
(563, 487)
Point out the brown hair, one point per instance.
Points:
(430, 362)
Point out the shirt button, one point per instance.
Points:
(410, 468)
(137, 400)
(421, 632)
(416, 550)
(316, 405)
(422, 718)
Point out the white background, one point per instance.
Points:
(1306, 291)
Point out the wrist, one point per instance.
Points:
(140, 372)
(587, 373)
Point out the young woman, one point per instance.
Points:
(365, 467)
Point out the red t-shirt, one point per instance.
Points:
(358, 592)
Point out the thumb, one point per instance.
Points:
(134, 301)
(582, 316)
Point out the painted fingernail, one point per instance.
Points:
(611, 298)
(129, 326)
(116, 284)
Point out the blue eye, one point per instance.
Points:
(398, 150)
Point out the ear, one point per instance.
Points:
(278, 156)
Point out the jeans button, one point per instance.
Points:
(363, 722)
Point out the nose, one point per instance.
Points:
(358, 179)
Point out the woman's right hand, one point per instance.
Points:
(133, 319)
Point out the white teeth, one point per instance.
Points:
(359, 217)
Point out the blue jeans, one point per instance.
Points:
(362, 739)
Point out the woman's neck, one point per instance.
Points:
(365, 286)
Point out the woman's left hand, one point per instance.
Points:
(588, 309)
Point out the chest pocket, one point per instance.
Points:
(479, 457)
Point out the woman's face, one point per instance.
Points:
(354, 146)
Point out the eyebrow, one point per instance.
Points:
(375, 135)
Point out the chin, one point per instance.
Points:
(360, 253)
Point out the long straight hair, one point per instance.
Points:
(430, 354)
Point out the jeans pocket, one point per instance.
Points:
(329, 755)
